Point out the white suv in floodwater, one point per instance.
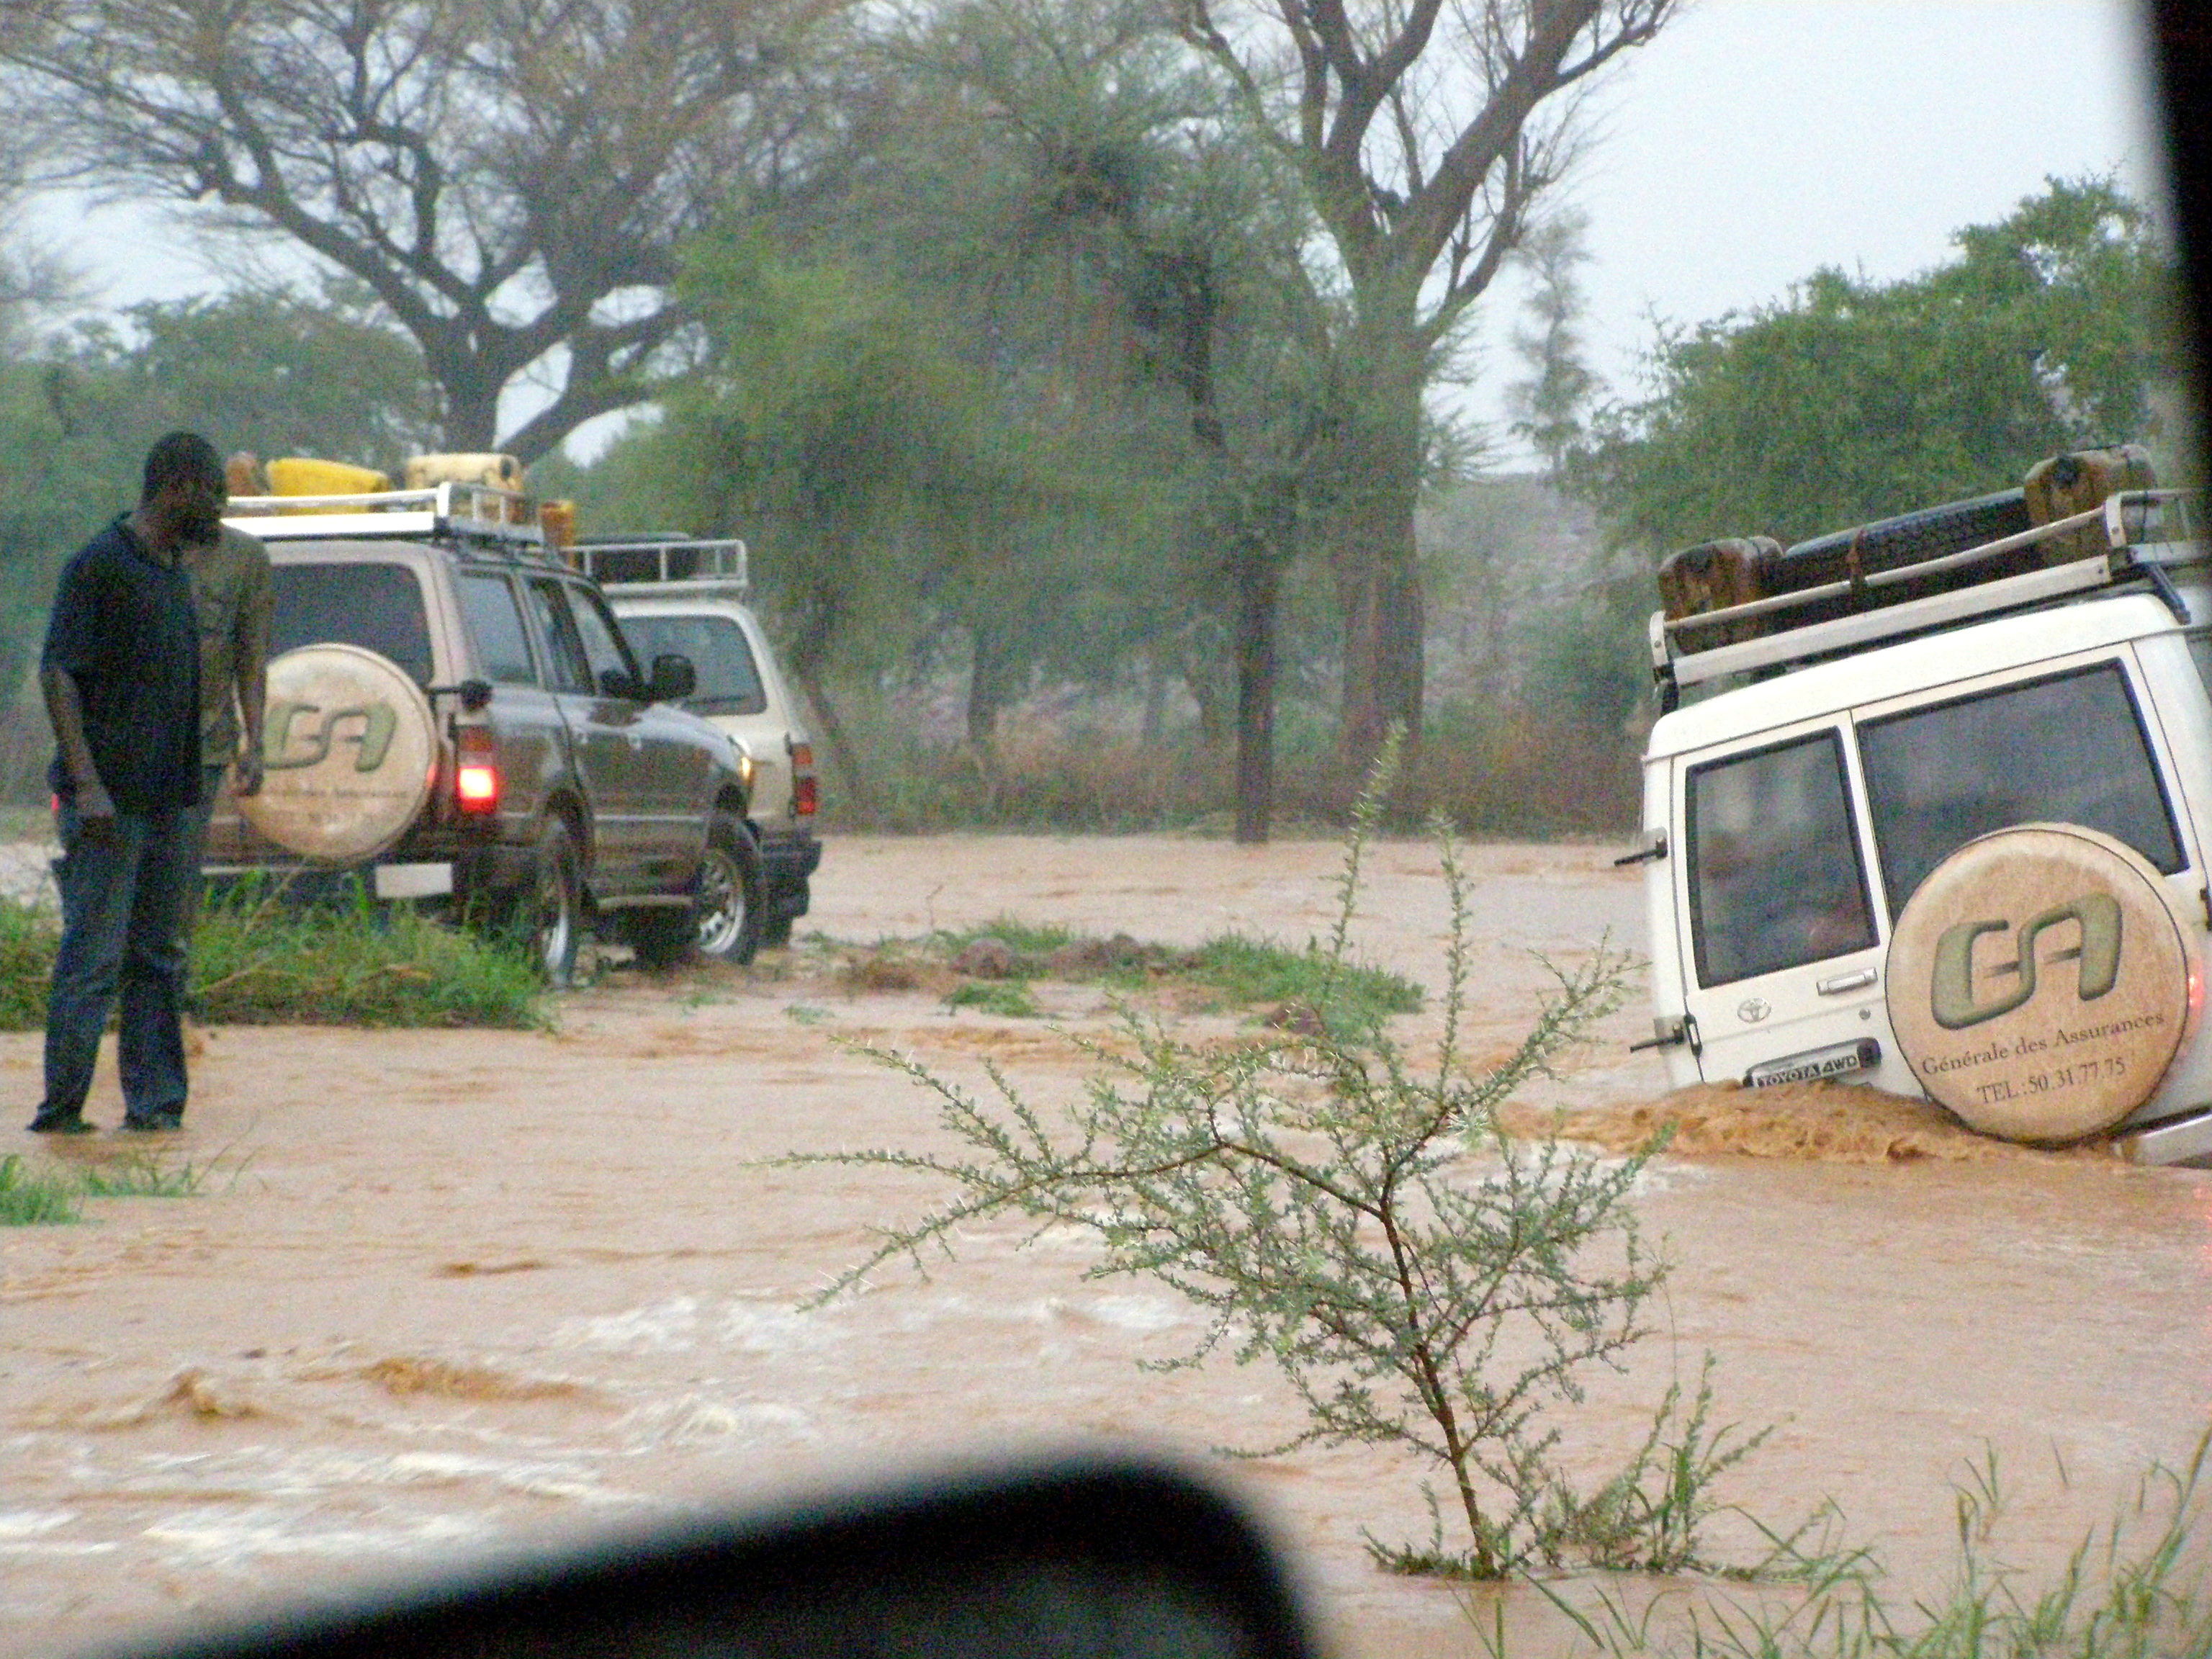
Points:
(686, 597)
(1944, 826)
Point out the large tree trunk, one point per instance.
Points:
(1373, 557)
(1257, 584)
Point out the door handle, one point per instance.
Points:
(1843, 982)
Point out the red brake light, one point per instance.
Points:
(805, 792)
(478, 786)
(476, 780)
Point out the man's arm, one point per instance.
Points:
(65, 712)
(251, 659)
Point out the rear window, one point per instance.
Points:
(2066, 750)
(729, 681)
(378, 607)
(1776, 879)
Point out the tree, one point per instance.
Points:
(1549, 408)
(1852, 400)
(508, 177)
(1424, 140)
(1316, 1198)
(285, 374)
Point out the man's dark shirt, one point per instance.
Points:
(125, 629)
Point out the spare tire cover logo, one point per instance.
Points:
(1951, 992)
(349, 748)
(2039, 981)
(286, 744)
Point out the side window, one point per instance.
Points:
(566, 669)
(613, 671)
(494, 622)
(2066, 750)
(1776, 879)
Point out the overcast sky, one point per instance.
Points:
(1753, 143)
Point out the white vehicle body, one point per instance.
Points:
(686, 597)
(1788, 820)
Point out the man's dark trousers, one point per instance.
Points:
(122, 912)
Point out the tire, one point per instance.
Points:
(1908, 538)
(551, 913)
(730, 894)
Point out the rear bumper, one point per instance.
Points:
(787, 861)
(479, 869)
(2176, 1140)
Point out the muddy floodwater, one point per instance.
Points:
(447, 1292)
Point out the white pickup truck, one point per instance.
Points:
(1945, 829)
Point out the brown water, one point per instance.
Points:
(454, 1291)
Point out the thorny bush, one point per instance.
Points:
(1420, 1279)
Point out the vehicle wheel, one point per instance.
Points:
(663, 937)
(773, 935)
(729, 907)
(554, 912)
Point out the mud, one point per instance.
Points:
(447, 1291)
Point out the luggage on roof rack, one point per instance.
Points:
(2142, 534)
(458, 513)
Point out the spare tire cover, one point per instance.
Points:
(2039, 982)
(348, 747)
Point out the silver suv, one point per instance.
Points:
(686, 597)
(455, 714)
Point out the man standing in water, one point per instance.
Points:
(121, 675)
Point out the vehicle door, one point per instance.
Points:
(1782, 957)
(665, 784)
(732, 692)
(530, 744)
(601, 730)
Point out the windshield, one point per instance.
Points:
(729, 681)
(2066, 750)
(1774, 876)
(378, 607)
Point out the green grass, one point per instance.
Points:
(258, 961)
(1251, 971)
(27, 962)
(142, 1175)
(33, 1198)
(1008, 998)
(2135, 1588)
(1240, 971)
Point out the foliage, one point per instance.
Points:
(1008, 998)
(32, 1197)
(35, 1198)
(509, 179)
(142, 1175)
(1854, 400)
(1419, 1279)
(258, 960)
(1242, 971)
(2133, 1589)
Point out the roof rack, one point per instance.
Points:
(668, 564)
(2127, 519)
(481, 513)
